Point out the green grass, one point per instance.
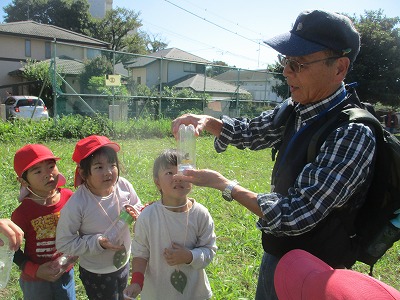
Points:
(234, 270)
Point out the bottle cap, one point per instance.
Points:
(124, 215)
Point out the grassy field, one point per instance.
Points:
(233, 272)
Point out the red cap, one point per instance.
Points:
(300, 275)
(30, 155)
(87, 146)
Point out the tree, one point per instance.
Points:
(69, 14)
(377, 68)
(154, 43)
(116, 27)
(99, 66)
(281, 88)
(217, 68)
(42, 74)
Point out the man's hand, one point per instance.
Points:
(205, 177)
(200, 123)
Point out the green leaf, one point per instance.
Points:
(119, 258)
(178, 280)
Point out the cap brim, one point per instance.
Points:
(292, 271)
(112, 145)
(292, 45)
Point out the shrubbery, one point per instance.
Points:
(77, 127)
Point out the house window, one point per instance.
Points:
(28, 48)
(47, 50)
(92, 53)
(189, 68)
(139, 80)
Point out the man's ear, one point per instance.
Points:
(343, 65)
(23, 182)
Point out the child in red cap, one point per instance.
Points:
(37, 215)
(95, 206)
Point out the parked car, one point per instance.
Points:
(25, 107)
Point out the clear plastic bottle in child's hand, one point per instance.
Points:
(62, 261)
(6, 261)
(128, 215)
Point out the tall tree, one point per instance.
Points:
(117, 25)
(377, 68)
(155, 43)
(69, 14)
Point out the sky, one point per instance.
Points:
(233, 31)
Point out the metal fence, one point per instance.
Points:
(167, 83)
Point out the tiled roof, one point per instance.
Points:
(49, 32)
(196, 82)
(69, 66)
(171, 54)
(244, 75)
(65, 65)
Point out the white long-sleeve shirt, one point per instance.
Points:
(83, 221)
(155, 230)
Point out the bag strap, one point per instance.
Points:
(350, 115)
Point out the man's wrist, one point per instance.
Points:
(227, 192)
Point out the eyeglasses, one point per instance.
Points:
(295, 66)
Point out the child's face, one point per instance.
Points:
(42, 177)
(170, 188)
(103, 175)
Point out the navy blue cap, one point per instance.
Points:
(317, 30)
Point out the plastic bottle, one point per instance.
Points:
(186, 148)
(386, 237)
(62, 261)
(114, 232)
(6, 261)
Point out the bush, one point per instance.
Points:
(77, 127)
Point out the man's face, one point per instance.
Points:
(316, 80)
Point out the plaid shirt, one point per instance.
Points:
(341, 166)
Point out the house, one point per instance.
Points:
(25, 40)
(222, 94)
(165, 66)
(258, 82)
(176, 68)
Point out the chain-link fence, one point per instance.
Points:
(164, 84)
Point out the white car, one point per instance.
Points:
(25, 107)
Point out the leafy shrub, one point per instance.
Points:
(77, 127)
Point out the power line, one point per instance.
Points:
(213, 23)
(221, 17)
(209, 47)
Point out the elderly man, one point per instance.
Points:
(311, 205)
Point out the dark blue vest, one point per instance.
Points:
(331, 239)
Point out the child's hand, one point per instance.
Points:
(106, 244)
(177, 255)
(48, 273)
(132, 291)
